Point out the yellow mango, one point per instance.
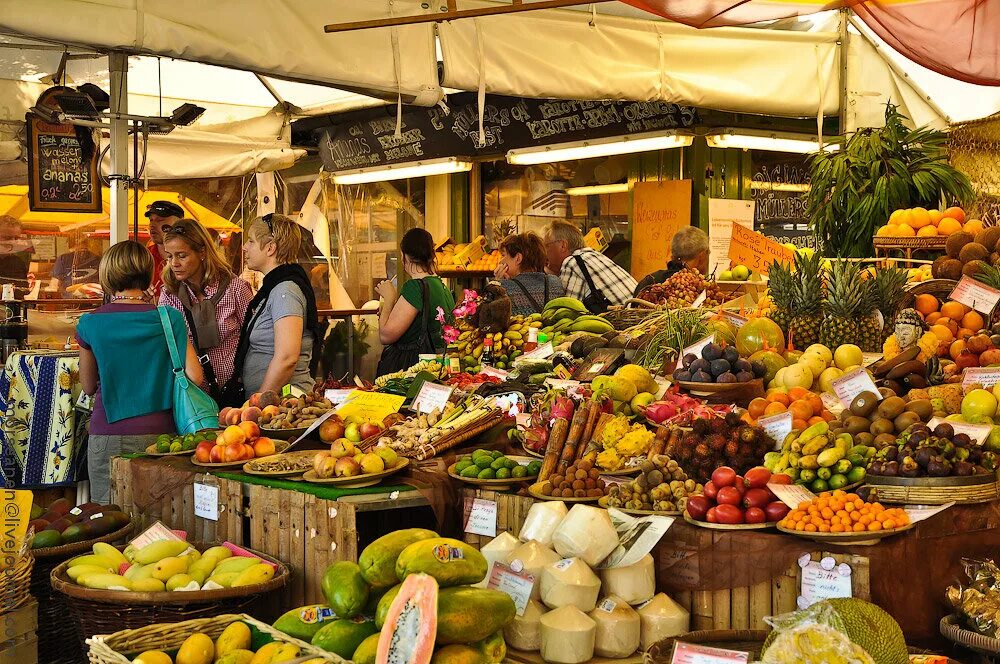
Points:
(253, 576)
(153, 657)
(157, 551)
(286, 653)
(234, 637)
(148, 585)
(170, 566)
(76, 572)
(235, 564)
(105, 581)
(96, 561)
(236, 657)
(196, 649)
(224, 580)
(178, 581)
(107, 551)
(266, 652)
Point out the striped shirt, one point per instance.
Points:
(610, 278)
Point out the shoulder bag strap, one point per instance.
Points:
(206, 364)
(426, 306)
(175, 357)
(538, 307)
(586, 274)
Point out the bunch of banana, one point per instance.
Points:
(815, 458)
(507, 346)
(560, 318)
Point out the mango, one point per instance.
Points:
(378, 560)
(240, 656)
(266, 652)
(365, 653)
(224, 580)
(168, 567)
(95, 561)
(450, 561)
(201, 569)
(148, 585)
(493, 648)
(235, 637)
(345, 589)
(286, 653)
(254, 575)
(157, 551)
(196, 649)
(105, 550)
(139, 572)
(235, 564)
(153, 657)
(217, 553)
(105, 581)
(76, 572)
(178, 581)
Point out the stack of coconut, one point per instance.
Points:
(575, 613)
(965, 254)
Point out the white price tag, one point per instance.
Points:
(850, 385)
(831, 403)
(973, 294)
(777, 427)
(662, 385)
(736, 320)
(154, 533)
(85, 402)
(516, 584)
(792, 495)
(700, 300)
(482, 518)
(695, 349)
(820, 583)
(984, 376)
(689, 653)
(544, 351)
(206, 501)
(868, 359)
(977, 432)
(496, 373)
(922, 512)
(431, 396)
(338, 397)
(596, 368)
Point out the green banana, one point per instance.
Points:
(567, 303)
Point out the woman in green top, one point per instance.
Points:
(408, 324)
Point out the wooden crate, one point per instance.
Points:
(18, 641)
(176, 509)
(309, 533)
(512, 510)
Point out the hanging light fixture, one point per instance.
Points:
(600, 147)
(773, 141)
(412, 169)
(598, 189)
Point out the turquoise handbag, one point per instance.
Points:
(193, 409)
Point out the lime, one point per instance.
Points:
(189, 438)
(519, 471)
(818, 486)
(856, 475)
(486, 474)
(470, 471)
(824, 473)
(176, 446)
(483, 461)
(501, 365)
(838, 481)
(870, 453)
(496, 454)
(503, 473)
(510, 464)
(534, 467)
(163, 446)
(499, 463)
(177, 439)
(462, 465)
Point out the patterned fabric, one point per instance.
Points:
(37, 432)
(614, 282)
(534, 283)
(229, 314)
(159, 262)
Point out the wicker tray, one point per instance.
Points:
(456, 438)
(279, 447)
(58, 641)
(935, 490)
(112, 648)
(536, 493)
(107, 611)
(495, 483)
(730, 526)
(356, 481)
(603, 502)
(952, 629)
(936, 242)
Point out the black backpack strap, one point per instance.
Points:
(586, 275)
(425, 305)
(538, 307)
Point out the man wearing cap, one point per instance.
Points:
(160, 214)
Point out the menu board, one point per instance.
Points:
(62, 168)
(659, 210)
(780, 212)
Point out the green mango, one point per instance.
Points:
(345, 590)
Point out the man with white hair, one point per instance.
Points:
(688, 248)
(587, 275)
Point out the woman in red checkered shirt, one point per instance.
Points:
(198, 282)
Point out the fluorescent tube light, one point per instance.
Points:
(778, 186)
(594, 190)
(764, 140)
(600, 147)
(412, 169)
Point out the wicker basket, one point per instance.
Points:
(15, 584)
(952, 629)
(888, 243)
(935, 490)
(107, 611)
(121, 646)
(58, 641)
(939, 288)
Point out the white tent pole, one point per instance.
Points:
(842, 48)
(118, 66)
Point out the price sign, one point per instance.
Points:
(977, 432)
(983, 376)
(338, 397)
(516, 584)
(973, 294)
(63, 173)
(431, 396)
(482, 518)
(754, 250)
(777, 427)
(689, 653)
(496, 373)
(823, 579)
(700, 300)
(868, 359)
(370, 405)
(831, 403)
(695, 349)
(736, 320)
(850, 385)
(206, 501)
(922, 512)
(792, 495)
(542, 352)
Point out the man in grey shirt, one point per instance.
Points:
(285, 300)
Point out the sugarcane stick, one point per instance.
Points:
(573, 439)
(588, 431)
(660, 441)
(553, 451)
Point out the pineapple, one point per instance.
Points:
(781, 288)
(845, 294)
(869, 324)
(803, 330)
(890, 290)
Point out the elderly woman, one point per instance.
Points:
(521, 272)
(688, 249)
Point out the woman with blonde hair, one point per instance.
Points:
(125, 363)
(281, 329)
(198, 282)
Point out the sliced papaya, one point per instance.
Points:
(411, 623)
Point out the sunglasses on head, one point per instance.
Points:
(178, 229)
(268, 220)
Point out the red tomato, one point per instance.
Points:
(710, 515)
(758, 498)
(728, 495)
(757, 478)
(723, 476)
(776, 511)
(698, 506)
(740, 484)
(710, 491)
(755, 515)
(781, 478)
(729, 514)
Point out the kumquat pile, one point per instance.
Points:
(840, 512)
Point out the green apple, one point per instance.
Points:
(352, 433)
(741, 272)
(726, 275)
(642, 400)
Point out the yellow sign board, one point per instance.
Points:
(373, 406)
(756, 251)
(659, 209)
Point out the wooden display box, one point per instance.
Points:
(17, 629)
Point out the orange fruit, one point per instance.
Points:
(943, 333)
(935, 215)
(928, 231)
(779, 397)
(774, 408)
(797, 393)
(801, 410)
(964, 333)
(896, 218)
(954, 310)
(973, 226)
(955, 213)
(956, 348)
(973, 321)
(905, 230)
(815, 420)
(948, 226)
(827, 416)
(757, 406)
(932, 317)
(926, 304)
(800, 425)
(919, 218)
(886, 231)
(816, 403)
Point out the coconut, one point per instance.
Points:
(542, 520)
(973, 251)
(633, 583)
(953, 245)
(989, 237)
(524, 631)
(951, 269)
(662, 618)
(568, 636)
(586, 533)
(570, 582)
(531, 558)
(497, 550)
(619, 631)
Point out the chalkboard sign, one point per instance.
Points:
(368, 138)
(62, 168)
(778, 214)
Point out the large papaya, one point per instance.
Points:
(378, 560)
(345, 589)
(342, 637)
(305, 621)
(383, 605)
(458, 654)
(451, 562)
(411, 623)
(467, 615)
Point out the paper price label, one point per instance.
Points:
(337, 397)
(563, 564)
(431, 396)
(868, 359)
(542, 352)
(370, 405)
(921, 512)
(977, 432)
(608, 605)
(736, 320)
(850, 385)
(496, 373)
(482, 518)
(823, 580)
(792, 495)
(973, 294)
(700, 300)
(777, 427)
(689, 653)
(516, 584)
(695, 349)
(831, 403)
(757, 252)
(984, 376)
(206, 501)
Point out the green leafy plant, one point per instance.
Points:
(878, 170)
